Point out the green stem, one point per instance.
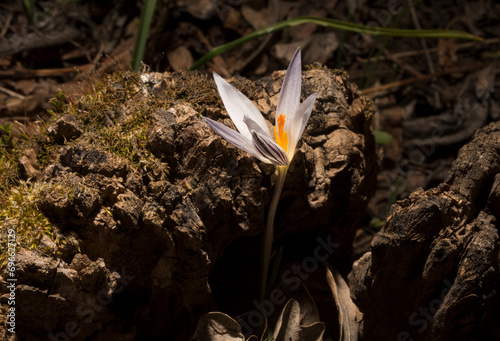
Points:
(142, 34)
(336, 24)
(269, 232)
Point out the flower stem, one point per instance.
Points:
(269, 232)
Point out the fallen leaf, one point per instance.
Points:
(349, 315)
(290, 325)
(321, 48)
(180, 58)
(216, 326)
(485, 82)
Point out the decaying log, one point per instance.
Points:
(433, 270)
(152, 229)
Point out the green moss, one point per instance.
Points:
(58, 104)
(9, 173)
(20, 213)
(115, 115)
(9, 166)
(193, 88)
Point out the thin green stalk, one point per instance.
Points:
(269, 232)
(30, 10)
(142, 35)
(337, 24)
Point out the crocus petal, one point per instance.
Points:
(236, 139)
(252, 125)
(237, 106)
(270, 149)
(299, 122)
(289, 98)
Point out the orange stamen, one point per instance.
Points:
(280, 133)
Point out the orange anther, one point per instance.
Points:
(280, 133)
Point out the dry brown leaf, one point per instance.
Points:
(447, 53)
(298, 319)
(288, 326)
(180, 58)
(216, 326)
(321, 48)
(485, 82)
(258, 19)
(349, 315)
(292, 323)
(200, 9)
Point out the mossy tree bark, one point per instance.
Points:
(153, 199)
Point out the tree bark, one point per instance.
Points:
(164, 209)
(433, 270)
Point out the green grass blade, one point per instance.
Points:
(142, 35)
(491, 54)
(29, 7)
(337, 24)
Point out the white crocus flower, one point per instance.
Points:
(255, 138)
